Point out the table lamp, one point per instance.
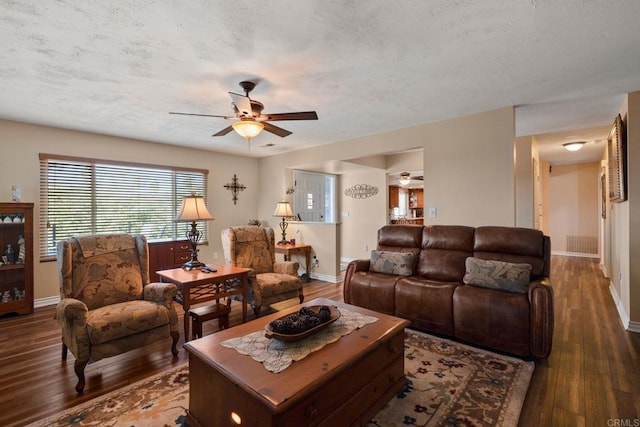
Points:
(283, 209)
(193, 209)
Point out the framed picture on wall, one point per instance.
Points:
(617, 163)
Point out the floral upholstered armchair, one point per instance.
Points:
(270, 281)
(107, 305)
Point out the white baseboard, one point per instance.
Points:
(43, 302)
(326, 278)
(634, 327)
(574, 254)
(603, 268)
(624, 317)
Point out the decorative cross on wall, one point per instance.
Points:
(234, 187)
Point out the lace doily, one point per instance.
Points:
(276, 356)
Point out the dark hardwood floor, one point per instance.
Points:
(591, 379)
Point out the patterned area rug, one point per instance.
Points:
(448, 384)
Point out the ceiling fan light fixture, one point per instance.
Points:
(574, 146)
(405, 178)
(248, 129)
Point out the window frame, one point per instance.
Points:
(47, 243)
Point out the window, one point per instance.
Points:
(87, 196)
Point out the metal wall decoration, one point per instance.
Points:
(361, 191)
(235, 187)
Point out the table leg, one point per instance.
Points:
(245, 295)
(186, 305)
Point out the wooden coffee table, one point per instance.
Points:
(344, 383)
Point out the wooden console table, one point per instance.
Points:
(288, 250)
(195, 287)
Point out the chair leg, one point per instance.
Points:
(174, 345)
(79, 366)
(64, 351)
(256, 310)
(301, 296)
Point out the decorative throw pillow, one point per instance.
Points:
(500, 275)
(390, 262)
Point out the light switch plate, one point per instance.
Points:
(433, 212)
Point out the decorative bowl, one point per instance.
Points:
(270, 333)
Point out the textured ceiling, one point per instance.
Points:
(118, 67)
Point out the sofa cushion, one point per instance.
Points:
(500, 275)
(390, 262)
(511, 244)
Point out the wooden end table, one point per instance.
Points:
(195, 287)
(344, 383)
(289, 249)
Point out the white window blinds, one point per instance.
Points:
(87, 196)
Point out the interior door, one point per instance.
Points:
(309, 200)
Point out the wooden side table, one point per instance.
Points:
(195, 287)
(288, 250)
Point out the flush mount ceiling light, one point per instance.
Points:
(574, 146)
(405, 178)
(248, 129)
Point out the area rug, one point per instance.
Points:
(449, 384)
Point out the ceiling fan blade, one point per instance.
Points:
(243, 103)
(203, 115)
(302, 115)
(224, 131)
(276, 130)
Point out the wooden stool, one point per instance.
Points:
(208, 312)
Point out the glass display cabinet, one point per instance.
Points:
(16, 258)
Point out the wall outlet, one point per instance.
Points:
(215, 255)
(345, 214)
(366, 247)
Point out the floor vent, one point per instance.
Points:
(582, 244)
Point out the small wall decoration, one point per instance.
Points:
(361, 191)
(235, 187)
(617, 164)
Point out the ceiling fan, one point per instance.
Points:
(250, 120)
(406, 178)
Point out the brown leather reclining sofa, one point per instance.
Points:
(435, 299)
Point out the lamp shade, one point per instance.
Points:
(248, 128)
(193, 209)
(283, 209)
(573, 146)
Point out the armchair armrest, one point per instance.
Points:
(71, 313)
(541, 317)
(162, 293)
(286, 267)
(353, 267)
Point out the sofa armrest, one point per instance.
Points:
(353, 267)
(162, 293)
(541, 317)
(286, 267)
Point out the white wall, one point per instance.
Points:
(574, 206)
(20, 144)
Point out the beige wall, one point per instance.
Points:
(20, 144)
(524, 175)
(574, 207)
(468, 169)
(359, 217)
(633, 141)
